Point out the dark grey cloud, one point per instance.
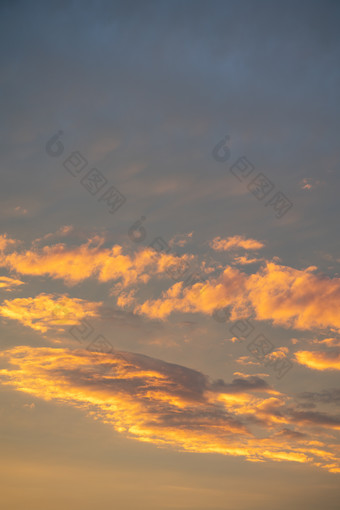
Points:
(239, 385)
(316, 418)
(291, 434)
(329, 396)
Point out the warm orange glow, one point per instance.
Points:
(319, 360)
(230, 243)
(289, 297)
(46, 311)
(154, 401)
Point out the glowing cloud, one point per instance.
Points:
(47, 311)
(7, 283)
(288, 297)
(74, 264)
(6, 242)
(171, 405)
(293, 298)
(319, 360)
(234, 242)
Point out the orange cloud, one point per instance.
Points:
(230, 243)
(204, 297)
(170, 405)
(6, 242)
(309, 183)
(295, 298)
(180, 239)
(330, 342)
(319, 360)
(47, 311)
(244, 261)
(288, 297)
(74, 264)
(7, 283)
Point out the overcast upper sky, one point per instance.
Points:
(169, 255)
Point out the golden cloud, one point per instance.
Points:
(293, 298)
(171, 405)
(288, 297)
(74, 264)
(46, 311)
(319, 360)
(234, 242)
(9, 284)
(6, 242)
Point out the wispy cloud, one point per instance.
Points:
(319, 360)
(235, 242)
(9, 284)
(6, 242)
(309, 183)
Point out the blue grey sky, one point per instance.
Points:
(186, 415)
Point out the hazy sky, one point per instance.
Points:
(169, 255)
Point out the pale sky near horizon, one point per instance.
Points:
(169, 252)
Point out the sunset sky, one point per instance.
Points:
(169, 253)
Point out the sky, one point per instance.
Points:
(169, 255)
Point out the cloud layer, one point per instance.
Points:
(289, 297)
(171, 405)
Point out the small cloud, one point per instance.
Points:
(330, 342)
(20, 211)
(6, 242)
(329, 396)
(47, 311)
(244, 261)
(246, 360)
(126, 299)
(319, 360)
(9, 284)
(309, 184)
(181, 239)
(219, 244)
(241, 374)
(29, 406)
